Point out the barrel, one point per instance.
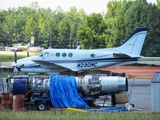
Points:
(6, 102)
(18, 102)
(10, 96)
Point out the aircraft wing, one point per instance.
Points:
(50, 65)
(123, 55)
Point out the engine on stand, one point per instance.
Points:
(37, 89)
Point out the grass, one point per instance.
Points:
(9, 57)
(69, 115)
(4, 74)
(149, 59)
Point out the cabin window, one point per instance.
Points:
(70, 54)
(64, 54)
(92, 55)
(58, 54)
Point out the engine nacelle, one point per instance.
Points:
(91, 85)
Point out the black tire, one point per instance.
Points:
(41, 106)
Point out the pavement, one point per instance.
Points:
(5, 65)
(140, 94)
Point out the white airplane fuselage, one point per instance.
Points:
(57, 61)
(80, 60)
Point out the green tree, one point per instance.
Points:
(91, 32)
(158, 4)
(110, 19)
(68, 26)
(142, 14)
(151, 47)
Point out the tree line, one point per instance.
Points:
(60, 29)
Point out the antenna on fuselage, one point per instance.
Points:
(78, 47)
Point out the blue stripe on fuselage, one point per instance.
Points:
(94, 60)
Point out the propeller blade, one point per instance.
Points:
(27, 53)
(16, 71)
(15, 56)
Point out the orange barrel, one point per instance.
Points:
(5, 96)
(18, 102)
(6, 103)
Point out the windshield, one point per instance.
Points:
(40, 54)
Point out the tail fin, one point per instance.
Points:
(134, 43)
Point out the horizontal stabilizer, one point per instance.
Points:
(122, 55)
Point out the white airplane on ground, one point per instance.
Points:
(65, 61)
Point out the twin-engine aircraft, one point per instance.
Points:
(67, 61)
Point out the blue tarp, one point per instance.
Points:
(109, 109)
(64, 93)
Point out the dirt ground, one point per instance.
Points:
(134, 71)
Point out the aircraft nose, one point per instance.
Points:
(17, 65)
(13, 64)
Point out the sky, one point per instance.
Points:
(89, 6)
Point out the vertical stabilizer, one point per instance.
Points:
(134, 43)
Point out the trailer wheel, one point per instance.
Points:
(41, 106)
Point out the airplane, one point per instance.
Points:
(19, 47)
(66, 61)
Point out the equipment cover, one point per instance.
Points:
(64, 93)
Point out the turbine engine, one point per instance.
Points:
(88, 85)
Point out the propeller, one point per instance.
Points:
(15, 56)
(27, 53)
(16, 68)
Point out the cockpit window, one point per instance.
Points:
(40, 54)
(46, 54)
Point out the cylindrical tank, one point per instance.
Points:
(88, 85)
